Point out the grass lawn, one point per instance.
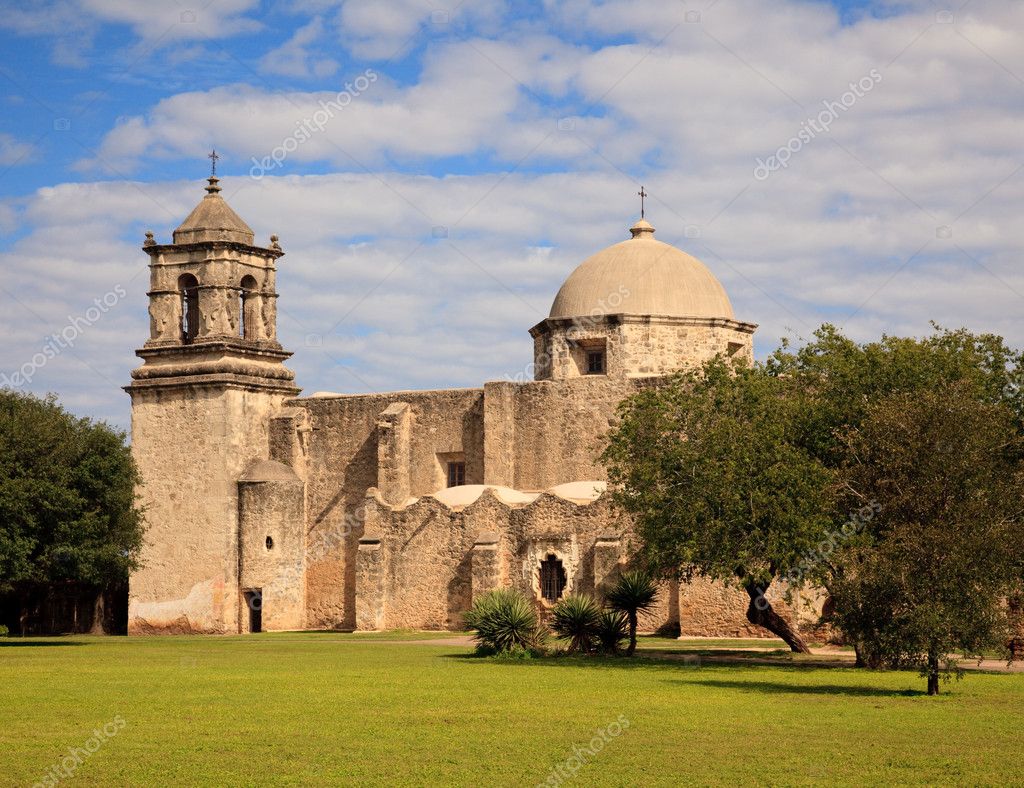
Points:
(328, 708)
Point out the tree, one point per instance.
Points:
(838, 382)
(67, 498)
(633, 593)
(712, 470)
(933, 570)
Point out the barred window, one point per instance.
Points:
(552, 579)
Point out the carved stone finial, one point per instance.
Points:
(273, 243)
(150, 241)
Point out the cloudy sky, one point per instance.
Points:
(851, 162)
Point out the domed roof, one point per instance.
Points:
(642, 276)
(213, 220)
(268, 471)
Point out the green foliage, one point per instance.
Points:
(714, 471)
(504, 620)
(612, 631)
(575, 617)
(944, 553)
(67, 496)
(839, 379)
(633, 593)
(4, 632)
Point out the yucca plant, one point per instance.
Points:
(612, 630)
(575, 617)
(504, 621)
(634, 593)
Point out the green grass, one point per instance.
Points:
(327, 708)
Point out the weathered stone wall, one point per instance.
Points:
(343, 462)
(272, 545)
(191, 443)
(636, 345)
(421, 566)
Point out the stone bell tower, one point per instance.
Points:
(212, 376)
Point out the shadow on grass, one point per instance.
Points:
(19, 642)
(650, 660)
(780, 688)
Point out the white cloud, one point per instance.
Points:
(851, 231)
(14, 151)
(72, 25)
(294, 57)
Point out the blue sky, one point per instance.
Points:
(524, 129)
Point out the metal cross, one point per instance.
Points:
(213, 159)
(642, 194)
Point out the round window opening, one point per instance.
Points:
(270, 543)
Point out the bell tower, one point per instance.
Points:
(212, 377)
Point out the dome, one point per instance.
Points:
(213, 220)
(268, 471)
(642, 276)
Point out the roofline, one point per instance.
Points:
(627, 317)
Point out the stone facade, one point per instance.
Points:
(271, 511)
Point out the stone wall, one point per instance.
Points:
(343, 460)
(636, 345)
(272, 545)
(191, 443)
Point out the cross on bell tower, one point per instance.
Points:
(642, 194)
(213, 162)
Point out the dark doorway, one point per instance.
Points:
(254, 602)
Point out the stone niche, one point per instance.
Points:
(272, 548)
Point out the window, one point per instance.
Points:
(595, 362)
(552, 579)
(248, 312)
(188, 286)
(456, 474)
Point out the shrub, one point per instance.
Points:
(504, 621)
(612, 630)
(575, 617)
(3, 631)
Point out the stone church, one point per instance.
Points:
(268, 510)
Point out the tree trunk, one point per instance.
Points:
(632, 634)
(761, 613)
(98, 614)
(860, 662)
(933, 673)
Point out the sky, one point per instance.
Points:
(435, 170)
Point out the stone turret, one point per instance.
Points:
(212, 378)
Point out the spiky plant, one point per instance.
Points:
(634, 593)
(575, 617)
(612, 630)
(504, 620)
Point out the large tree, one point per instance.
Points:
(931, 573)
(67, 498)
(712, 470)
